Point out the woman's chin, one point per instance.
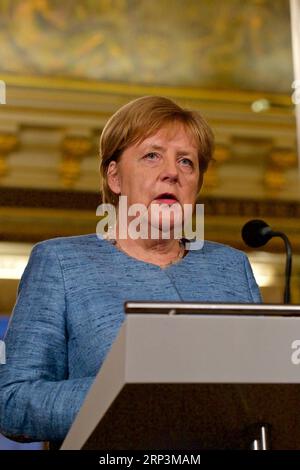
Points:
(165, 230)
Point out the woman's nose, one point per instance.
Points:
(169, 170)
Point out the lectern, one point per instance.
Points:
(196, 376)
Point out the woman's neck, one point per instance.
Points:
(157, 251)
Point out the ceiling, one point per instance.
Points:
(232, 44)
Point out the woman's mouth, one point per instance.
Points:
(166, 198)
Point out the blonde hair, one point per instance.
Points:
(142, 118)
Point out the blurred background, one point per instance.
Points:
(68, 66)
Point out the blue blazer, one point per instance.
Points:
(69, 311)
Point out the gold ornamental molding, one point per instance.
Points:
(74, 149)
(279, 161)
(8, 143)
(221, 155)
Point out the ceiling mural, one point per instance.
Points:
(240, 44)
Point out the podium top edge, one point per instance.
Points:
(219, 309)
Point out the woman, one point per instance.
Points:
(70, 300)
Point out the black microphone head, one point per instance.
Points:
(256, 233)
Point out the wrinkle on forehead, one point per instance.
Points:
(171, 130)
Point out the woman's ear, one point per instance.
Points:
(113, 179)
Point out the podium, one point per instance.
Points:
(196, 377)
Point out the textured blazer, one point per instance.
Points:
(69, 310)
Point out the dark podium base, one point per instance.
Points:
(199, 417)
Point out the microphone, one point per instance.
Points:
(256, 233)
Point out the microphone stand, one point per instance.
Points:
(288, 264)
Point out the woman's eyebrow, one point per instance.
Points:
(179, 151)
(154, 147)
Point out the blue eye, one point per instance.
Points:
(188, 162)
(149, 155)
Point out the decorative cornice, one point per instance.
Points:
(88, 201)
(131, 90)
(251, 207)
(36, 214)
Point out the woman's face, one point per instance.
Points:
(165, 164)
